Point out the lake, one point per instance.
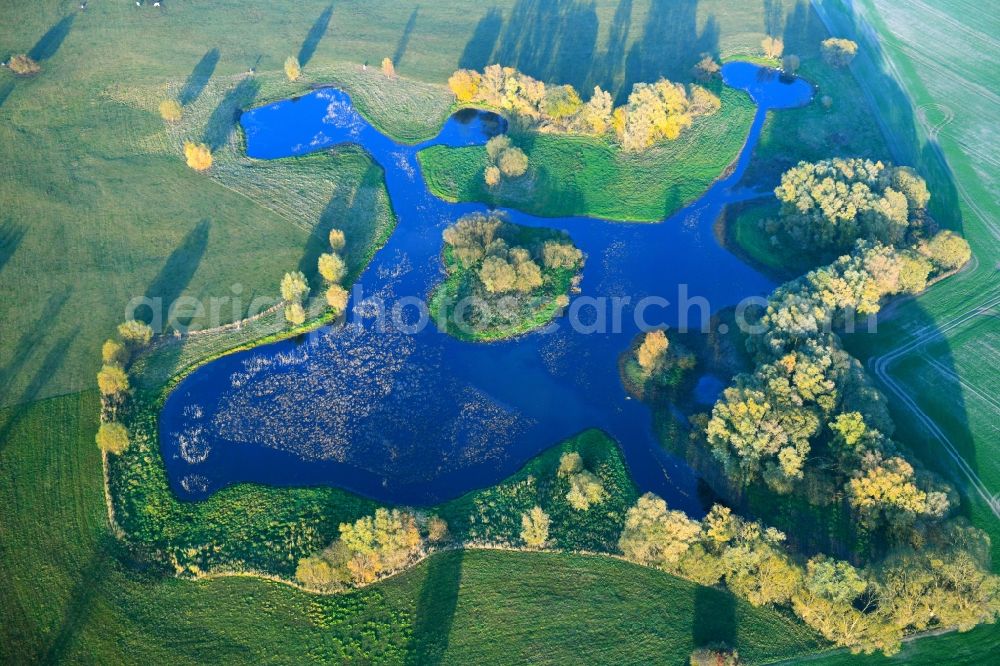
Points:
(416, 417)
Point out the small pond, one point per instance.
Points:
(420, 417)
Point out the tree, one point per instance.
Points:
(947, 249)
(497, 276)
(496, 145)
(561, 102)
(908, 181)
(758, 571)
(513, 162)
(336, 298)
(112, 380)
(388, 68)
(652, 351)
(838, 52)
(437, 529)
(294, 287)
(707, 68)
(570, 463)
(198, 156)
(465, 84)
(22, 65)
(378, 544)
(556, 255)
(790, 64)
(135, 334)
(332, 267)
(773, 46)
(295, 314)
(595, 116)
(293, 70)
(535, 527)
(337, 240)
(170, 110)
(492, 176)
(112, 438)
(654, 536)
(114, 353)
(715, 657)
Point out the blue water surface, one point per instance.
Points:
(419, 418)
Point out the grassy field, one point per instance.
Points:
(70, 594)
(588, 176)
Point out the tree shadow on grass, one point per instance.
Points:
(714, 621)
(479, 49)
(21, 351)
(49, 44)
(198, 79)
(11, 235)
(435, 609)
(223, 120)
(404, 39)
(46, 371)
(607, 70)
(6, 88)
(315, 35)
(175, 276)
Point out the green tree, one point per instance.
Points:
(655, 536)
(948, 250)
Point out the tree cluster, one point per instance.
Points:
(294, 290)
(113, 382)
(333, 270)
(585, 488)
(654, 111)
(504, 160)
(944, 584)
(370, 548)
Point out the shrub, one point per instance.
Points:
(292, 68)
(112, 380)
(135, 334)
(337, 240)
(22, 65)
(535, 527)
(707, 68)
(492, 176)
(112, 438)
(437, 529)
(198, 155)
(170, 110)
(838, 52)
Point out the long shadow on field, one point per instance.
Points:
(552, 40)
(315, 34)
(175, 276)
(714, 621)
(11, 235)
(5, 90)
(49, 44)
(404, 39)
(81, 599)
(222, 122)
(198, 79)
(670, 45)
(435, 611)
(21, 351)
(608, 70)
(774, 17)
(49, 368)
(479, 49)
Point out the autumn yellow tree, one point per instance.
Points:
(652, 351)
(388, 68)
(337, 240)
(465, 84)
(112, 380)
(336, 298)
(198, 155)
(112, 437)
(22, 65)
(773, 46)
(170, 110)
(293, 70)
(114, 353)
(535, 527)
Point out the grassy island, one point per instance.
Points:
(502, 279)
